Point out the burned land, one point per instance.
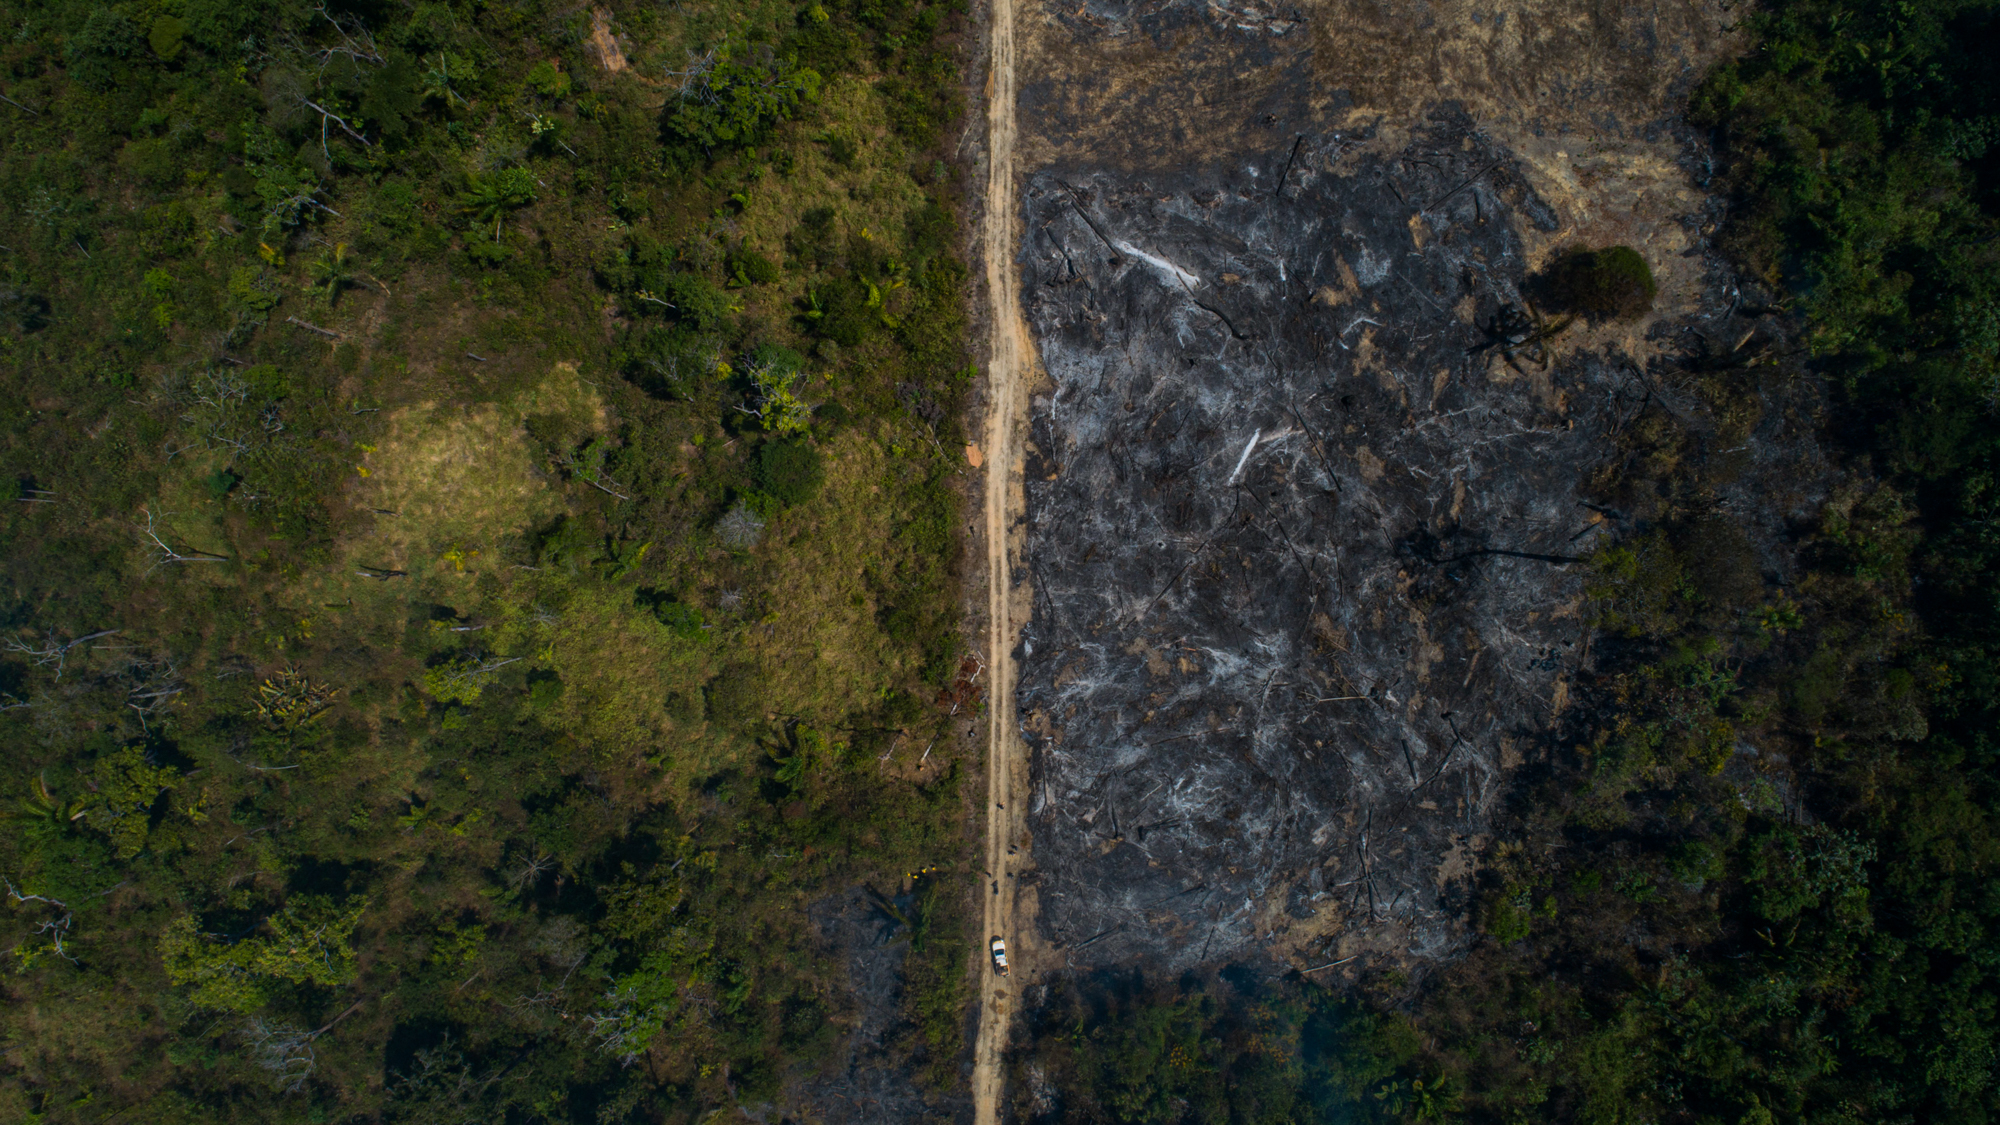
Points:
(1508, 516)
(1305, 531)
(1310, 475)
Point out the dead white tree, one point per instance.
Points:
(694, 77)
(313, 328)
(216, 437)
(531, 872)
(219, 389)
(55, 929)
(356, 42)
(462, 680)
(158, 684)
(50, 651)
(326, 117)
(166, 553)
(293, 203)
(283, 1049)
(588, 467)
(620, 1029)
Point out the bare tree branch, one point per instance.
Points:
(52, 651)
(355, 41)
(168, 554)
(326, 332)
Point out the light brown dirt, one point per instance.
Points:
(602, 44)
(1011, 358)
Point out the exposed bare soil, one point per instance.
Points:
(1008, 365)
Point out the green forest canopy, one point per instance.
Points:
(481, 558)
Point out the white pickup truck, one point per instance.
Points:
(1000, 956)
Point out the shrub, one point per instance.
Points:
(843, 311)
(699, 302)
(843, 149)
(681, 619)
(736, 696)
(547, 80)
(931, 229)
(545, 689)
(775, 374)
(1610, 284)
(165, 36)
(752, 268)
(733, 106)
(813, 239)
(308, 942)
(790, 471)
(1506, 916)
(1694, 863)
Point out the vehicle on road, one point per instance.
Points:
(1000, 956)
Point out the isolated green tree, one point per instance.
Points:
(494, 197)
(332, 272)
(310, 941)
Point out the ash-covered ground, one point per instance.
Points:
(1304, 544)
(873, 1079)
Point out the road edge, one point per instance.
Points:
(1008, 359)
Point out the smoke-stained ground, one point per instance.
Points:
(1305, 534)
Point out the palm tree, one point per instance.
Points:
(40, 814)
(437, 80)
(493, 196)
(331, 272)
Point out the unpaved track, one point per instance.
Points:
(1006, 375)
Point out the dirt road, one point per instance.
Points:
(1007, 369)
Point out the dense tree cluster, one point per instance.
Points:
(479, 566)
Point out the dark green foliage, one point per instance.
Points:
(547, 81)
(931, 229)
(789, 471)
(733, 104)
(699, 303)
(845, 311)
(97, 51)
(1125, 1051)
(734, 696)
(814, 238)
(544, 690)
(1610, 284)
(681, 619)
(751, 268)
(392, 95)
(842, 149)
(165, 36)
